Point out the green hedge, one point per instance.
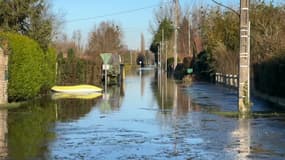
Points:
(48, 70)
(73, 70)
(30, 69)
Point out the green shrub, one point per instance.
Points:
(48, 70)
(30, 69)
(203, 66)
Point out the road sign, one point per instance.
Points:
(106, 67)
(190, 70)
(106, 57)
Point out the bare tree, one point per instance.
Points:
(105, 38)
(77, 40)
(164, 12)
(183, 36)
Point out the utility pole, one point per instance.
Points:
(244, 59)
(159, 55)
(165, 46)
(189, 36)
(162, 46)
(175, 32)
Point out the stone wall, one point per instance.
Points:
(3, 76)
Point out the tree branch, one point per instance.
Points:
(221, 4)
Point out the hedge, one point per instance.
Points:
(30, 69)
(73, 70)
(49, 69)
(269, 76)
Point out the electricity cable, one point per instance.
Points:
(113, 14)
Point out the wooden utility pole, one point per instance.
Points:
(175, 32)
(162, 45)
(244, 63)
(189, 36)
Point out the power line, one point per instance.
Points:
(223, 5)
(113, 14)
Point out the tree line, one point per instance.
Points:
(163, 29)
(219, 30)
(215, 41)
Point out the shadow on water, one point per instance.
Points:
(150, 116)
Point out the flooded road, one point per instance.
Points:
(148, 117)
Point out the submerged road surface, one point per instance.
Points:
(148, 117)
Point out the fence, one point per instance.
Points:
(227, 79)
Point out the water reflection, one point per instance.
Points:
(170, 96)
(112, 100)
(3, 134)
(29, 129)
(142, 81)
(73, 109)
(242, 137)
(87, 96)
(149, 116)
(173, 104)
(163, 89)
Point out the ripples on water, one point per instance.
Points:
(148, 117)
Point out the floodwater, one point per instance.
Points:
(147, 117)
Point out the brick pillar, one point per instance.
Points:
(3, 76)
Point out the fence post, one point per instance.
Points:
(235, 83)
(228, 79)
(231, 80)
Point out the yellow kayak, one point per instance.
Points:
(76, 89)
(56, 96)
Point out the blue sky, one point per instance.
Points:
(133, 23)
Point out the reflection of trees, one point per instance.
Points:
(184, 102)
(28, 129)
(168, 92)
(113, 100)
(163, 90)
(115, 97)
(73, 109)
